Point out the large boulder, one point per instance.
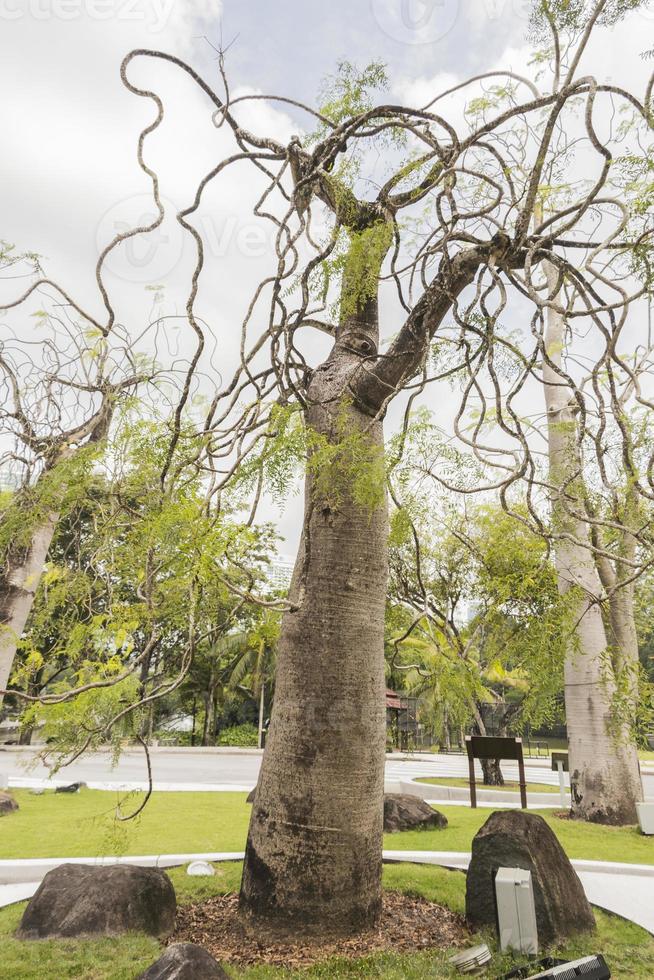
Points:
(82, 900)
(185, 961)
(515, 839)
(405, 812)
(7, 804)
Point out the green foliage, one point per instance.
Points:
(280, 458)
(346, 463)
(60, 490)
(241, 735)
(348, 92)
(350, 463)
(136, 594)
(361, 265)
(571, 16)
(84, 720)
(496, 628)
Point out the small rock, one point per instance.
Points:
(7, 804)
(81, 900)
(185, 961)
(406, 812)
(200, 869)
(37, 791)
(515, 839)
(72, 788)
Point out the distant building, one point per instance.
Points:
(280, 571)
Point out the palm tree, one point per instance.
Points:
(209, 675)
(254, 667)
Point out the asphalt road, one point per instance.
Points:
(199, 768)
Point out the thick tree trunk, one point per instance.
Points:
(313, 858)
(604, 769)
(17, 591)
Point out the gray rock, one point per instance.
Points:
(81, 900)
(185, 961)
(406, 812)
(71, 788)
(515, 839)
(7, 804)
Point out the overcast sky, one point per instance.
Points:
(68, 173)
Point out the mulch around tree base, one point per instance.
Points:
(407, 924)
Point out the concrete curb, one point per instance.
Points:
(490, 805)
(450, 794)
(27, 782)
(23, 870)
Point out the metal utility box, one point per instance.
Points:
(645, 816)
(516, 910)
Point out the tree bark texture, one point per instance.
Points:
(17, 591)
(19, 581)
(604, 769)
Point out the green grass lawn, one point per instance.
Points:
(83, 825)
(628, 949)
(508, 785)
(579, 840)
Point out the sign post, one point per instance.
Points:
(560, 763)
(495, 747)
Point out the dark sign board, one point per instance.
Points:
(494, 747)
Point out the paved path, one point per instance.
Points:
(626, 890)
